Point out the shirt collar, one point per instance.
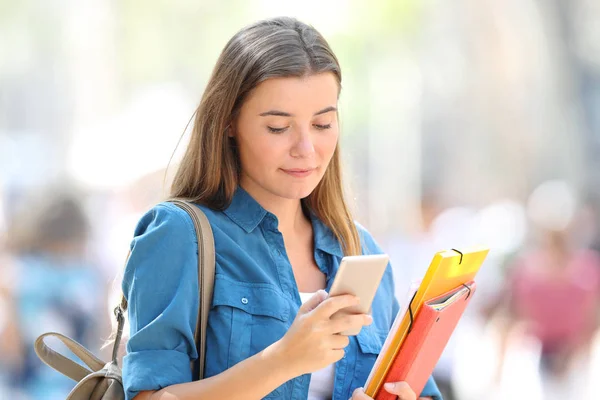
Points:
(325, 240)
(245, 211)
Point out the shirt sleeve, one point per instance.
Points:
(431, 390)
(161, 287)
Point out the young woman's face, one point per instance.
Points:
(286, 133)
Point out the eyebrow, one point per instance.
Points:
(278, 113)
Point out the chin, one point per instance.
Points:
(295, 192)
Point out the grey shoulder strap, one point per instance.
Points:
(206, 278)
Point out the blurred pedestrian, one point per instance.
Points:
(51, 285)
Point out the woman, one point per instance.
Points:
(264, 166)
(556, 278)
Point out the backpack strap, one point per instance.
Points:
(64, 365)
(69, 367)
(206, 283)
(206, 279)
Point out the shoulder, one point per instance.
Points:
(370, 246)
(164, 248)
(368, 242)
(165, 218)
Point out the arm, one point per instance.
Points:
(161, 286)
(312, 342)
(252, 378)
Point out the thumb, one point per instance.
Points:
(313, 302)
(401, 389)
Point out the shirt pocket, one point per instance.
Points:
(259, 315)
(370, 342)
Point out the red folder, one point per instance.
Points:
(430, 331)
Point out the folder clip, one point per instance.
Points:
(410, 312)
(468, 288)
(461, 256)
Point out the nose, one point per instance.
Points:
(303, 144)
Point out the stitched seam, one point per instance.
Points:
(183, 215)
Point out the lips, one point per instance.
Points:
(299, 172)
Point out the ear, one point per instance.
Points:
(230, 131)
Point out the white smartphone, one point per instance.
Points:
(359, 276)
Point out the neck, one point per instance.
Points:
(288, 211)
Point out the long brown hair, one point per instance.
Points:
(209, 171)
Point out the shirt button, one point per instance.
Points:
(244, 300)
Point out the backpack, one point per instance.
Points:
(103, 381)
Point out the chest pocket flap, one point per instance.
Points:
(254, 298)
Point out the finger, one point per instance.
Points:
(337, 355)
(333, 304)
(339, 342)
(313, 302)
(400, 389)
(345, 322)
(359, 394)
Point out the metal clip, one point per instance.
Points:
(118, 311)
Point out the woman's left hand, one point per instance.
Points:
(400, 389)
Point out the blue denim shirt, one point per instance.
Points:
(255, 298)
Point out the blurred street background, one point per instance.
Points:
(465, 122)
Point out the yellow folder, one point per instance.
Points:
(447, 270)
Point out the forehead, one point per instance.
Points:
(290, 94)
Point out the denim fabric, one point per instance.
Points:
(255, 298)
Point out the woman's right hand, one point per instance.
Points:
(314, 340)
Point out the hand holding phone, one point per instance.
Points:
(359, 276)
